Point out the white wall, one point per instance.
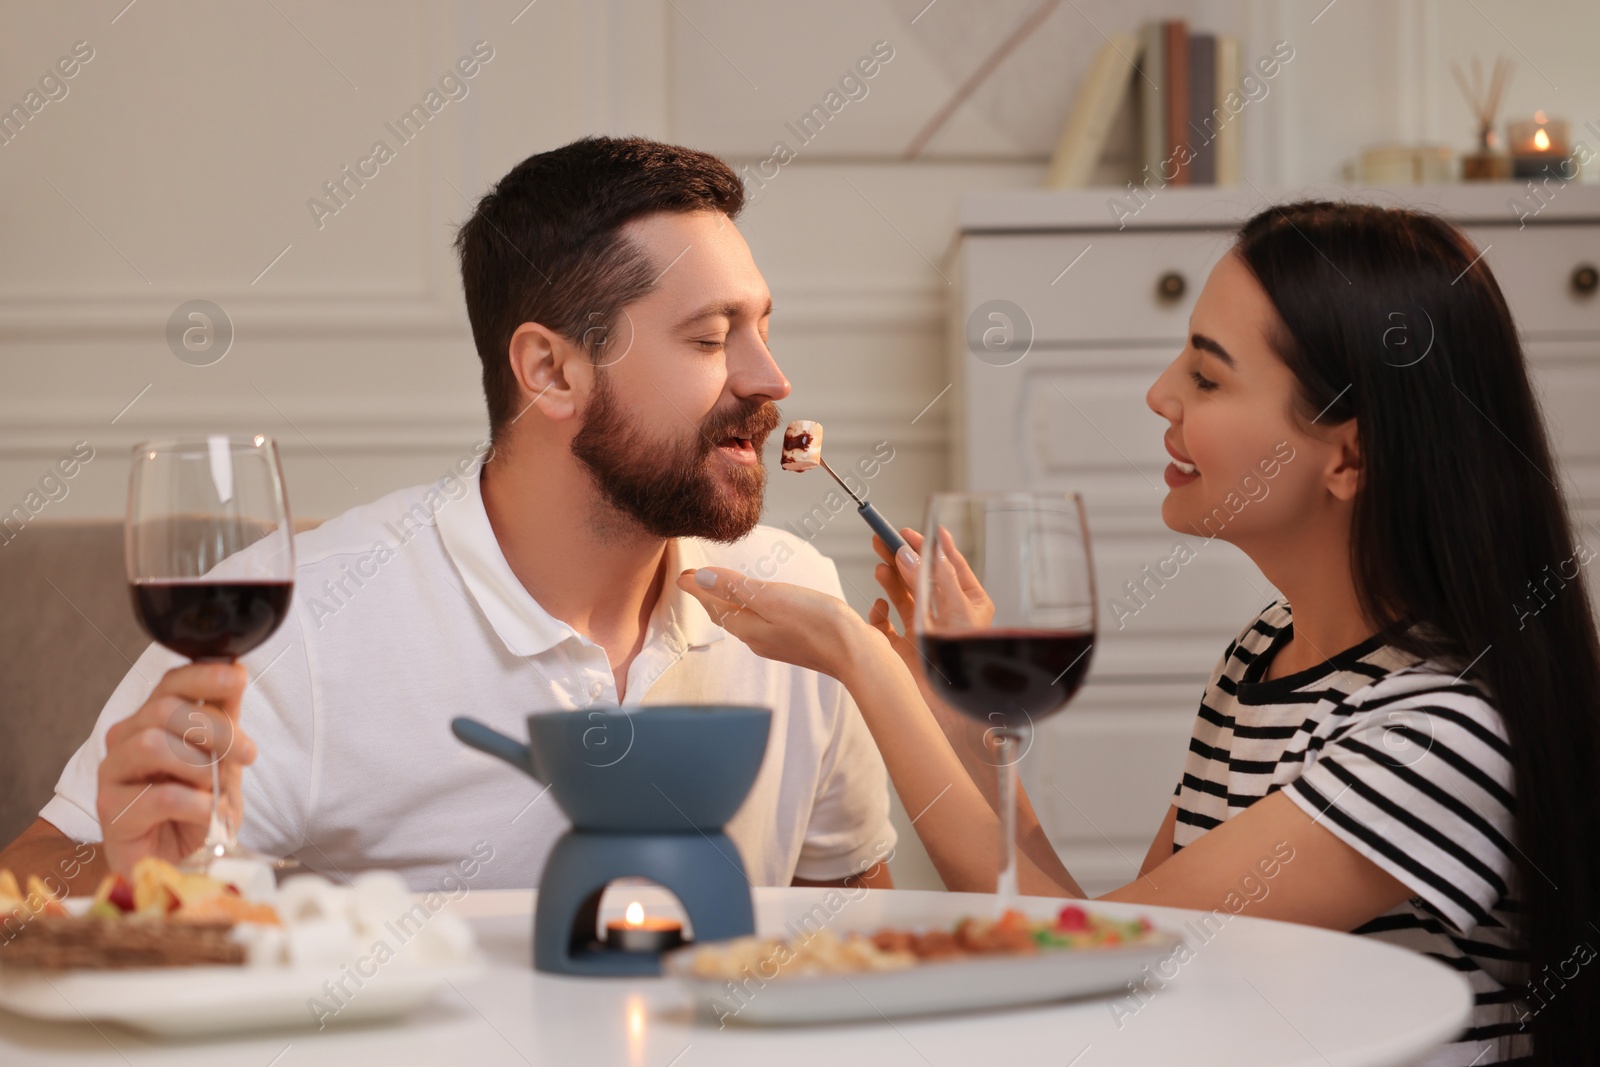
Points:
(179, 163)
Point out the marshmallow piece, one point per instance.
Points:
(308, 897)
(380, 889)
(379, 897)
(320, 942)
(802, 445)
(264, 944)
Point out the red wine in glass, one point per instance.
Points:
(1009, 679)
(210, 564)
(211, 620)
(1005, 619)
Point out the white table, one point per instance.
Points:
(1255, 993)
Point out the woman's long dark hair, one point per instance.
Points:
(1392, 318)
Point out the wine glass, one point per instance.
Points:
(1005, 618)
(210, 557)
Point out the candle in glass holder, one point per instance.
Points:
(1539, 147)
(638, 932)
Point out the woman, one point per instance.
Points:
(1418, 734)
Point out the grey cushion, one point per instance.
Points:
(67, 636)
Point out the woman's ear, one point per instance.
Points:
(550, 371)
(1344, 465)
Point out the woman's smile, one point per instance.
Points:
(1181, 471)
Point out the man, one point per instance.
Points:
(622, 326)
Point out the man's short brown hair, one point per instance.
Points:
(545, 245)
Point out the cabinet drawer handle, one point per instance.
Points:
(1171, 286)
(1585, 279)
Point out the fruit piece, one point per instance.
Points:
(10, 892)
(40, 897)
(115, 893)
(1072, 918)
(150, 877)
(103, 909)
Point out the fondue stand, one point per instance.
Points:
(648, 791)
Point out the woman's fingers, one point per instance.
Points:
(958, 562)
(911, 536)
(898, 595)
(719, 590)
(792, 623)
(949, 600)
(905, 564)
(982, 610)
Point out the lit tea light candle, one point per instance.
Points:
(638, 932)
(1539, 147)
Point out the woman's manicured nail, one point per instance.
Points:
(906, 557)
(705, 578)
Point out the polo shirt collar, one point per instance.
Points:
(522, 623)
(683, 612)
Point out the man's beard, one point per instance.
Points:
(668, 487)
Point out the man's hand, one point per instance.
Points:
(155, 781)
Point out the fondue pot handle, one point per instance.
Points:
(474, 733)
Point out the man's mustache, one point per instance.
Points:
(755, 421)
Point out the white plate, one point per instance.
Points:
(969, 984)
(180, 1001)
(214, 999)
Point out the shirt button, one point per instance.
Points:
(595, 690)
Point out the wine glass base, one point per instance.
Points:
(200, 860)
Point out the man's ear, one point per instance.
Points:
(1344, 464)
(552, 373)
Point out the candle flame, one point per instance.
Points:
(634, 915)
(1541, 141)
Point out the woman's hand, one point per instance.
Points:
(784, 622)
(959, 599)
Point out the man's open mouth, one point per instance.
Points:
(736, 443)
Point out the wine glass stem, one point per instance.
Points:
(218, 833)
(1006, 888)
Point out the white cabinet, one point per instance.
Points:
(1061, 322)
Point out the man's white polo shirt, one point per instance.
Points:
(406, 614)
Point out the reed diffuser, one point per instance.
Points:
(1488, 163)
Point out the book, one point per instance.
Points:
(1083, 139)
(1228, 165)
(1175, 33)
(1152, 97)
(1202, 129)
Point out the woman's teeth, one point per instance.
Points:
(1186, 468)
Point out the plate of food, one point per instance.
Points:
(970, 965)
(177, 953)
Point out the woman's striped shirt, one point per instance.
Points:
(1405, 763)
